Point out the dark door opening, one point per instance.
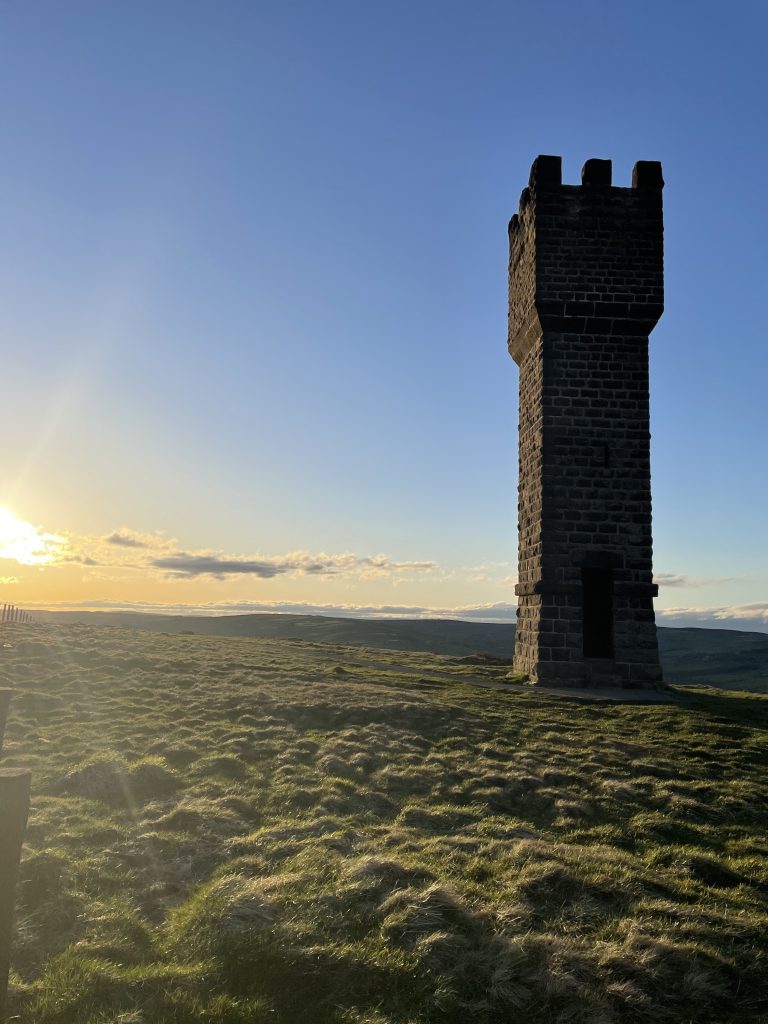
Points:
(597, 605)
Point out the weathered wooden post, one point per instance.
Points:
(5, 700)
(14, 809)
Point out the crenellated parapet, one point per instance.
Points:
(586, 258)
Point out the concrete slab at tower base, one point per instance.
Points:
(592, 694)
(589, 694)
(610, 695)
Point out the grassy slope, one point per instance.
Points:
(723, 657)
(437, 636)
(237, 830)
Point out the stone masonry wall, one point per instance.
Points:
(586, 288)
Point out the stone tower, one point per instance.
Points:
(586, 288)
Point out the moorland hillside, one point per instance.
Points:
(231, 830)
(732, 659)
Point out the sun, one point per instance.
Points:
(22, 542)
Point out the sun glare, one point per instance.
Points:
(22, 543)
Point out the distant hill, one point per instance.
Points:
(436, 636)
(721, 657)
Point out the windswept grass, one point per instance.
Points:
(231, 830)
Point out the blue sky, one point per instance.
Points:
(254, 291)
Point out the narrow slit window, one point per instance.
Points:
(597, 605)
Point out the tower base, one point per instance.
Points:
(568, 637)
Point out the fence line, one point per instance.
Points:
(11, 613)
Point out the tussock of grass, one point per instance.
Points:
(226, 830)
(220, 913)
(113, 781)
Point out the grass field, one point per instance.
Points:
(232, 830)
(727, 658)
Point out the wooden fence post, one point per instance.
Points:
(5, 700)
(14, 809)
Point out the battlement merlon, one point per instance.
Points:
(587, 258)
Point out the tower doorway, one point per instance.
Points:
(597, 607)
